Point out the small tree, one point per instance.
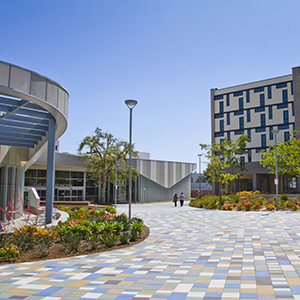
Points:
(288, 159)
(223, 158)
(102, 153)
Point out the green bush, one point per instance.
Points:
(70, 235)
(111, 209)
(25, 238)
(125, 237)
(284, 197)
(9, 253)
(134, 234)
(109, 239)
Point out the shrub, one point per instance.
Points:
(138, 226)
(234, 198)
(44, 240)
(9, 253)
(239, 206)
(257, 206)
(134, 234)
(289, 204)
(228, 206)
(71, 235)
(109, 239)
(111, 209)
(124, 220)
(24, 238)
(93, 240)
(271, 207)
(284, 197)
(125, 238)
(247, 205)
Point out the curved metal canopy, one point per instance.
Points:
(22, 123)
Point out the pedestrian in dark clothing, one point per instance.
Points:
(181, 197)
(175, 198)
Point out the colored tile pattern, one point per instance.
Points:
(190, 254)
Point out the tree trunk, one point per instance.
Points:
(220, 192)
(104, 183)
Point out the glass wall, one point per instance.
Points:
(69, 186)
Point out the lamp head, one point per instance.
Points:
(131, 103)
(275, 131)
(199, 154)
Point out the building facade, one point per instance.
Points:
(157, 180)
(256, 109)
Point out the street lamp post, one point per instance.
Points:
(130, 104)
(116, 179)
(200, 174)
(275, 132)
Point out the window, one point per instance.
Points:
(262, 120)
(221, 106)
(241, 103)
(249, 134)
(227, 100)
(263, 140)
(286, 117)
(248, 96)
(221, 125)
(269, 92)
(262, 99)
(219, 97)
(270, 113)
(292, 88)
(237, 94)
(228, 118)
(293, 109)
(248, 116)
(281, 85)
(286, 136)
(228, 135)
(241, 122)
(271, 133)
(284, 96)
(249, 156)
(260, 89)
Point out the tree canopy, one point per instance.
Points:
(223, 158)
(101, 152)
(288, 159)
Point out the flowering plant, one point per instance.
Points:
(271, 206)
(247, 205)
(9, 253)
(257, 206)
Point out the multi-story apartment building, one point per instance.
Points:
(257, 109)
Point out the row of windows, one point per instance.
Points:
(241, 101)
(257, 109)
(262, 119)
(258, 129)
(263, 146)
(256, 90)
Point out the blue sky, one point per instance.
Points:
(167, 54)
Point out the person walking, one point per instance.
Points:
(175, 198)
(181, 197)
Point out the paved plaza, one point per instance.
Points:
(190, 254)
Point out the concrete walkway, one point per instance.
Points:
(190, 254)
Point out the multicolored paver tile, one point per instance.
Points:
(190, 254)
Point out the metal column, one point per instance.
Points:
(50, 171)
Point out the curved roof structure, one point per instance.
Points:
(27, 102)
